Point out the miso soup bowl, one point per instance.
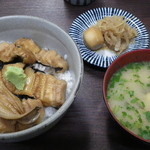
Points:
(130, 57)
(47, 35)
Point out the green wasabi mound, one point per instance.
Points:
(16, 76)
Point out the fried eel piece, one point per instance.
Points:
(50, 90)
(27, 44)
(46, 57)
(30, 52)
(7, 126)
(10, 125)
(28, 105)
(9, 51)
(27, 48)
(8, 84)
(10, 105)
(27, 56)
(28, 89)
(53, 59)
(14, 112)
(6, 52)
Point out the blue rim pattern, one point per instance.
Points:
(89, 18)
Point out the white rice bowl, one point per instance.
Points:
(45, 34)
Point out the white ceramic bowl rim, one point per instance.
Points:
(71, 97)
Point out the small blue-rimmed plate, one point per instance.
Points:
(103, 58)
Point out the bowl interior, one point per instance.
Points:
(130, 57)
(46, 35)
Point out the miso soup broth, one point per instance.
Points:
(128, 96)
